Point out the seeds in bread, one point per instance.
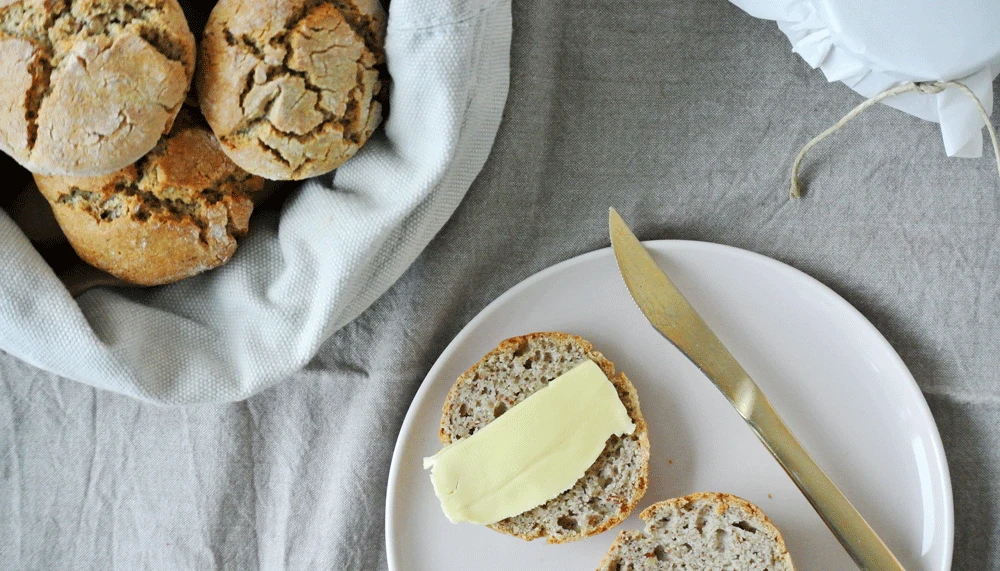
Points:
(173, 214)
(290, 86)
(611, 487)
(91, 85)
(701, 531)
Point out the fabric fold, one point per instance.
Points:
(340, 241)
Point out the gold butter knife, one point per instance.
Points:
(672, 315)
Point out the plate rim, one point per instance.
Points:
(938, 452)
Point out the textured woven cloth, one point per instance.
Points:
(341, 240)
(683, 115)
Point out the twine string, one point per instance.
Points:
(931, 87)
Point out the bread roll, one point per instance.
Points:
(90, 85)
(289, 86)
(701, 531)
(175, 213)
(613, 485)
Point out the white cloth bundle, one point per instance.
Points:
(872, 46)
(340, 242)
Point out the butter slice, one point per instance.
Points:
(535, 451)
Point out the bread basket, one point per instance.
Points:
(337, 243)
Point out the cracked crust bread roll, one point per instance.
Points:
(173, 214)
(519, 366)
(706, 530)
(90, 85)
(289, 86)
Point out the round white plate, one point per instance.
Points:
(830, 374)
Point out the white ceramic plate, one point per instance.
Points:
(831, 375)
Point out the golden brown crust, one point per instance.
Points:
(627, 394)
(720, 500)
(289, 86)
(172, 215)
(95, 83)
(612, 552)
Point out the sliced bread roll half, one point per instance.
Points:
(701, 531)
(614, 484)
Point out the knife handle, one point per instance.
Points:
(843, 519)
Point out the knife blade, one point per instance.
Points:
(671, 314)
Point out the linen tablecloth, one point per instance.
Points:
(683, 115)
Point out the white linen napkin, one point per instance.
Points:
(341, 240)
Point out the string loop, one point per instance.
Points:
(928, 87)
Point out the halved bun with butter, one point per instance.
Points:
(702, 531)
(615, 482)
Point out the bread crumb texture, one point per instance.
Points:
(171, 215)
(701, 531)
(290, 86)
(611, 487)
(91, 85)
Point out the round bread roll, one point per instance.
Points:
(289, 86)
(173, 214)
(90, 85)
(707, 530)
(614, 483)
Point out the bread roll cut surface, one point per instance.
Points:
(611, 487)
(704, 531)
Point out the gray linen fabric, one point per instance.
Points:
(683, 115)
